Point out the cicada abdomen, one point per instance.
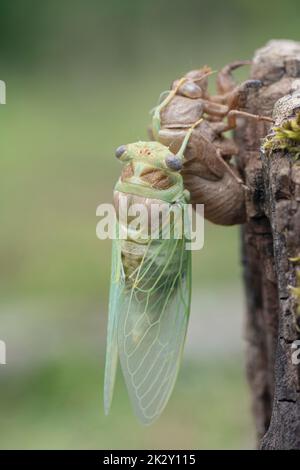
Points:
(151, 280)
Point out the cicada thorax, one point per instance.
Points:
(151, 238)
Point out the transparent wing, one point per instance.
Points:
(116, 288)
(153, 310)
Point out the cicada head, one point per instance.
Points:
(195, 84)
(150, 164)
(152, 154)
(151, 173)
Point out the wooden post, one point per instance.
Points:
(270, 236)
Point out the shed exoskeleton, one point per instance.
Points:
(209, 172)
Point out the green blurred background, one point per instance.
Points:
(81, 78)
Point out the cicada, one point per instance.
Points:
(150, 288)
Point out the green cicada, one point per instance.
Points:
(150, 281)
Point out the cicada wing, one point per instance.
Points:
(152, 326)
(116, 288)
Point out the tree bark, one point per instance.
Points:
(269, 238)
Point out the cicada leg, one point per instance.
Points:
(225, 80)
(234, 114)
(229, 169)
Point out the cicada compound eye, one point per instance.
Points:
(191, 90)
(120, 151)
(173, 162)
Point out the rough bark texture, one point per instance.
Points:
(269, 238)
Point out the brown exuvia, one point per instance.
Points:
(209, 171)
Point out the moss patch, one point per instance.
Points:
(285, 137)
